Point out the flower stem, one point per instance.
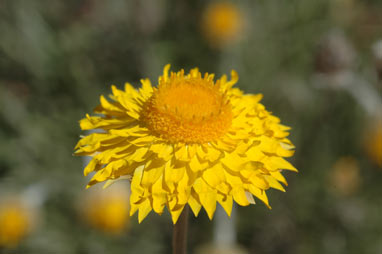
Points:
(179, 235)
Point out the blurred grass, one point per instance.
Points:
(57, 57)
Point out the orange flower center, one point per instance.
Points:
(189, 110)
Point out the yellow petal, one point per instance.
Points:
(239, 196)
(97, 122)
(175, 214)
(273, 183)
(226, 202)
(214, 176)
(101, 175)
(201, 152)
(133, 209)
(224, 188)
(172, 175)
(273, 146)
(255, 154)
(108, 106)
(279, 177)
(143, 141)
(144, 210)
(195, 165)
(131, 131)
(165, 72)
(195, 73)
(194, 203)
(159, 196)
(146, 90)
(233, 161)
(183, 189)
(208, 152)
(152, 172)
(95, 138)
(138, 155)
(192, 150)
(212, 154)
(233, 180)
(234, 79)
(111, 182)
(207, 196)
(225, 146)
(127, 100)
(181, 153)
(136, 188)
(92, 165)
(129, 89)
(259, 181)
(162, 150)
(278, 163)
(260, 194)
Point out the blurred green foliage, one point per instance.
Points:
(57, 57)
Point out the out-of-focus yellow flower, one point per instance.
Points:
(373, 142)
(222, 23)
(108, 209)
(345, 176)
(15, 223)
(190, 140)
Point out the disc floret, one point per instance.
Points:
(188, 109)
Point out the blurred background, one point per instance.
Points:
(317, 62)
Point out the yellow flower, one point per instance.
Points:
(222, 23)
(15, 223)
(189, 140)
(373, 142)
(108, 209)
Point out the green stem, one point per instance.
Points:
(179, 236)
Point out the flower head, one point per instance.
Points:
(15, 223)
(222, 23)
(373, 142)
(107, 210)
(190, 140)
